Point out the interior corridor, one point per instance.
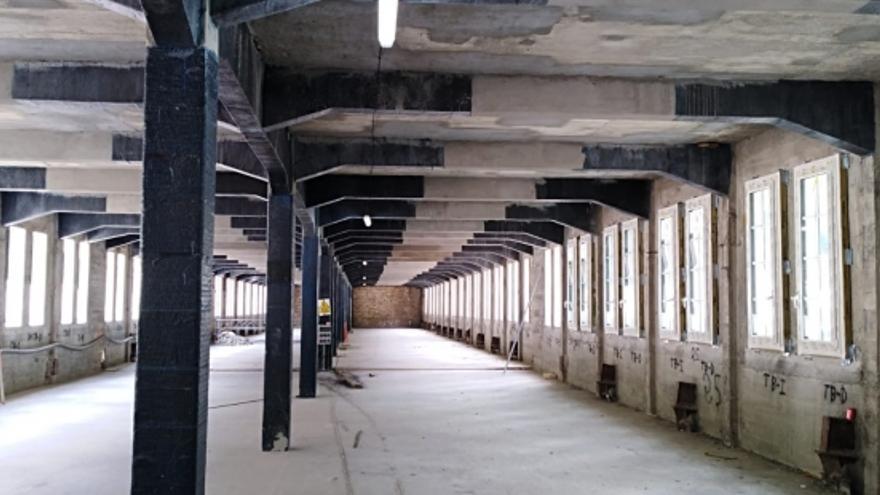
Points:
(434, 417)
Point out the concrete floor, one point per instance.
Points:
(436, 417)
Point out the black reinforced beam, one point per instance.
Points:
(580, 216)
(356, 209)
(840, 113)
(176, 23)
(22, 179)
(73, 224)
(22, 206)
(705, 166)
(236, 155)
(328, 189)
(313, 157)
(294, 94)
(627, 195)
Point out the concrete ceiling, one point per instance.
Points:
(725, 39)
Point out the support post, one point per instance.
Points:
(279, 317)
(171, 390)
(308, 372)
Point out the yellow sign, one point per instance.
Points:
(324, 307)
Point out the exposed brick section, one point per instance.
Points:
(377, 307)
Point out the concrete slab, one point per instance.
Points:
(436, 417)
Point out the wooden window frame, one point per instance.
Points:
(707, 204)
(610, 279)
(585, 283)
(674, 214)
(833, 166)
(571, 291)
(773, 183)
(634, 227)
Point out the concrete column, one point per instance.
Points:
(309, 337)
(325, 291)
(279, 319)
(171, 390)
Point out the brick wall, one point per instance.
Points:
(376, 307)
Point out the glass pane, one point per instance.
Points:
(68, 281)
(583, 288)
(548, 287)
(628, 279)
(82, 283)
(15, 277)
(557, 286)
(218, 296)
(608, 289)
(526, 289)
(816, 284)
(761, 264)
(696, 274)
(136, 277)
(666, 271)
(109, 280)
(229, 307)
(119, 307)
(37, 303)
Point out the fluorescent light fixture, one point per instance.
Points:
(368, 221)
(387, 22)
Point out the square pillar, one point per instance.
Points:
(308, 374)
(171, 390)
(279, 317)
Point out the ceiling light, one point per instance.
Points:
(387, 22)
(368, 221)
(364, 263)
(364, 277)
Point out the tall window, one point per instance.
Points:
(630, 277)
(526, 288)
(109, 282)
(229, 307)
(487, 297)
(668, 307)
(119, 302)
(585, 286)
(136, 277)
(764, 254)
(239, 298)
(478, 298)
(37, 296)
(513, 292)
(698, 269)
(82, 283)
(499, 294)
(68, 281)
(609, 278)
(454, 298)
(557, 286)
(15, 283)
(548, 287)
(819, 268)
(570, 277)
(469, 301)
(218, 296)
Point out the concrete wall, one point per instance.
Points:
(382, 307)
(768, 402)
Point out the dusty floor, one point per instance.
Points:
(436, 417)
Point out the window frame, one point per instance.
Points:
(674, 214)
(775, 185)
(632, 227)
(558, 286)
(706, 203)
(610, 271)
(832, 166)
(548, 287)
(571, 290)
(585, 282)
(525, 288)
